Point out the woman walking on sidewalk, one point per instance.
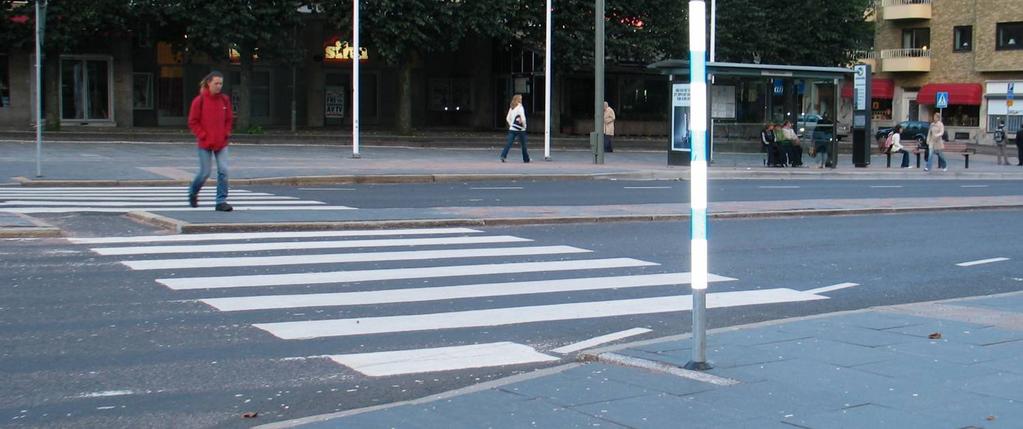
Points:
(516, 119)
(936, 143)
(210, 118)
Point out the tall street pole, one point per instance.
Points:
(356, 57)
(698, 181)
(39, 88)
(548, 72)
(597, 138)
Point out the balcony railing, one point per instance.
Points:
(905, 60)
(906, 9)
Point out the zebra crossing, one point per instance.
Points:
(363, 269)
(140, 198)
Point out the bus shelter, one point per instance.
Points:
(743, 98)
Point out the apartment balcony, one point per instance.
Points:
(905, 60)
(895, 10)
(869, 58)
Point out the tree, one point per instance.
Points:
(402, 32)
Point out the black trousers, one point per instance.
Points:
(1019, 152)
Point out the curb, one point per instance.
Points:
(39, 229)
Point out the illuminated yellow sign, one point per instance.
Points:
(339, 51)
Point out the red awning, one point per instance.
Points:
(879, 88)
(958, 93)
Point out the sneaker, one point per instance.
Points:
(502, 159)
(927, 169)
(193, 200)
(944, 169)
(223, 207)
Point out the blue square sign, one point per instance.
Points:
(941, 101)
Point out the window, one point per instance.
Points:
(142, 91)
(86, 90)
(1009, 36)
(448, 95)
(5, 82)
(962, 39)
(958, 115)
(916, 38)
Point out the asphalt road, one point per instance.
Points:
(88, 341)
(596, 192)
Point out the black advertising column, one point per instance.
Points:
(861, 136)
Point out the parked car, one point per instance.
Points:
(911, 130)
(808, 123)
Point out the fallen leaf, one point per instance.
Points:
(250, 415)
(935, 336)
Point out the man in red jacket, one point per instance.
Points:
(210, 118)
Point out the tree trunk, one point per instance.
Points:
(51, 94)
(244, 119)
(404, 114)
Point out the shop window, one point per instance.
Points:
(171, 92)
(5, 82)
(962, 39)
(450, 95)
(642, 98)
(259, 92)
(1009, 36)
(142, 91)
(916, 38)
(85, 92)
(961, 116)
(1012, 123)
(881, 109)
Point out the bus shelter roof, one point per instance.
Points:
(681, 68)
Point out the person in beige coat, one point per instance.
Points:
(609, 128)
(936, 143)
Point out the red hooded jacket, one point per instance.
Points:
(210, 118)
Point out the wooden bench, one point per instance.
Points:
(950, 147)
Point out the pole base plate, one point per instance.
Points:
(697, 366)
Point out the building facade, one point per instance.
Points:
(970, 50)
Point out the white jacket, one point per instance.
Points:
(514, 112)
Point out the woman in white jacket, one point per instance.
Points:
(516, 120)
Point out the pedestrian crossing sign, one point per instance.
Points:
(942, 100)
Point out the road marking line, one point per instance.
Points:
(326, 189)
(779, 187)
(831, 288)
(973, 186)
(516, 315)
(390, 296)
(416, 255)
(104, 188)
(496, 188)
(263, 235)
(141, 198)
(885, 186)
(30, 210)
(382, 364)
(647, 187)
(149, 203)
(116, 191)
(395, 274)
(980, 262)
(303, 245)
(596, 341)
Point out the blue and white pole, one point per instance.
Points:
(698, 180)
(356, 56)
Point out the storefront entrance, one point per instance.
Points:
(86, 90)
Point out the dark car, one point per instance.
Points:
(911, 130)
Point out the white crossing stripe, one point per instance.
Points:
(515, 315)
(395, 274)
(265, 235)
(886, 186)
(779, 187)
(268, 302)
(263, 261)
(497, 188)
(382, 364)
(30, 210)
(91, 204)
(982, 261)
(105, 188)
(648, 187)
(303, 245)
(832, 288)
(177, 198)
(596, 341)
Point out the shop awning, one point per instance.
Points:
(879, 88)
(969, 94)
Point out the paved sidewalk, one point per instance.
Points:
(949, 364)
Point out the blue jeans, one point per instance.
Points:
(521, 135)
(204, 173)
(941, 159)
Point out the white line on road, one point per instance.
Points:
(382, 364)
(417, 255)
(177, 198)
(515, 315)
(779, 187)
(395, 274)
(885, 186)
(326, 189)
(973, 186)
(831, 288)
(148, 203)
(389, 296)
(303, 245)
(119, 191)
(264, 235)
(596, 341)
(648, 187)
(496, 188)
(982, 261)
(29, 210)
